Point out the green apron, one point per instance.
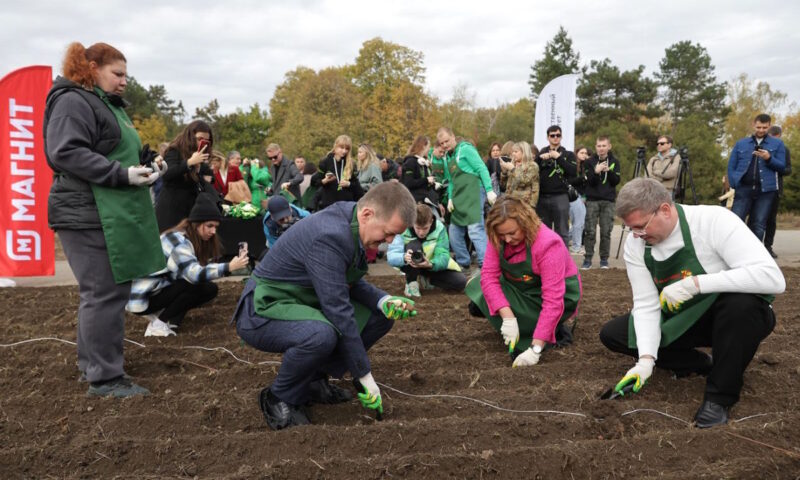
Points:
(466, 193)
(678, 266)
(523, 290)
(126, 212)
(291, 302)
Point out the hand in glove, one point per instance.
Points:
(492, 197)
(138, 176)
(527, 358)
(637, 375)
(423, 162)
(370, 396)
(674, 294)
(510, 332)
(437, 185)
(450, 206)
(397, 308)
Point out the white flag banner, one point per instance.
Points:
(556, 106)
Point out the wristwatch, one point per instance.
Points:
(537, 349)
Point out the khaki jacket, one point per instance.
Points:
(665, 169)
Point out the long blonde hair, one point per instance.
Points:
(510, 208)
(371, 159)
(344, 141)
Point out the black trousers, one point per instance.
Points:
(444, 279)
(554, 212)
(733, 327)
(180, 297)
(772, 223)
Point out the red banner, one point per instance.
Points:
(28, 247)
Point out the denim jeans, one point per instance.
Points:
(477, 235)
(577, 216)
(748, 200)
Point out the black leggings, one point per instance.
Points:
(180, 297)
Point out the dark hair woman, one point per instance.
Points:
(100, 205)
(187, 157)
(417, 175)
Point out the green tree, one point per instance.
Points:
(382, 63)
(153, 100)
(746, 100)
(791, 182)
(151, 130)
(242, 130)
(690, 87)
(558, 59)
(705, 157)
(459, 113)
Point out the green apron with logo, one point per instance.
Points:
(466, 192)
(678, 266)
(523, 290)
(126, 212)
(291, 302)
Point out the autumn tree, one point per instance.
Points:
(144, 102)
(791, 182)
(152, 130)
(558, 59)
(746, 100)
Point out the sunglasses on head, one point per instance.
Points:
(555, 135)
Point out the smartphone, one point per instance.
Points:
(202, 143)
(242, 248)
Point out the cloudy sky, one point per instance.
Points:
(239, 51)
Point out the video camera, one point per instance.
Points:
(640, 153)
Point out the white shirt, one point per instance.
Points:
(733, 258)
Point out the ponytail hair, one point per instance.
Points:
(76, 66)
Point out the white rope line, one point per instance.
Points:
(639, 410)
(458, 397)
(482, 402)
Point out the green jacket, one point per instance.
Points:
(435, 246)
(469, 161)
(258, 180)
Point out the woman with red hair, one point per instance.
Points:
(100, 205)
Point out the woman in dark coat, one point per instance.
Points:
(337, 179)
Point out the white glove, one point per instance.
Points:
(638, 374)
(437, 185)
(163, 168)
(527, 358)
(673, 295)
(369, 383)
(492, 197)
(423, 162)
(450, 206)
(510, 332)
(138, 176)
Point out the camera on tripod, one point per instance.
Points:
(640, 153)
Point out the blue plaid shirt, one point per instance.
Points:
(182, 263)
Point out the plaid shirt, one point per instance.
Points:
(181, 264)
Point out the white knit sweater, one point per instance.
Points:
(733, 258)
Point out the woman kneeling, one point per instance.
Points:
(186, 283)
(528, 286)
(422, 252)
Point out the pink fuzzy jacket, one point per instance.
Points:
(550, 260)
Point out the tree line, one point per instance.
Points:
(381, 99)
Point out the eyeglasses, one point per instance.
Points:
(555, 135)
(641, 232)
(662, 143)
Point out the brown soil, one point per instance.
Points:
(203, 421)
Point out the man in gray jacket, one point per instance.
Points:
(285, 176)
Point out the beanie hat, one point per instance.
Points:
(204, 210)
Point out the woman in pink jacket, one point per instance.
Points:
(528, 285)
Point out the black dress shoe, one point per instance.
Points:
(702, 369)
(323, 392)
(711, 414)
(279, 414)
(772, 253)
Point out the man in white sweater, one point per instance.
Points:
(700, 278)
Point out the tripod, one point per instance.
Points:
(638, 169)
(684, 176)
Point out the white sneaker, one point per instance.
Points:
(157, 328)
(7, 283)
(412, 289)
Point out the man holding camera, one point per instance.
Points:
(556, 166)
(307, 300)
(286, 179)
(602, 177)
(664, 165)
(280, 216)
(753, 170)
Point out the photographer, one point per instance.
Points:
(279, 217)
(423, 252)
(556, 166)
(664, 165)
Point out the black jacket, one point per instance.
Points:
(415, 178)
(602, 186)
(330, 193)
(179, 191)
(554, 173)
(79, 131)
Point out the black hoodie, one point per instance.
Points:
(602, 186)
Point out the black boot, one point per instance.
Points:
(711, 414)
(279, 414)
(323, 392)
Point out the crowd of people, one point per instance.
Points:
(499, 230)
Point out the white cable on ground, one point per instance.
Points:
(639, 410)
(36, 340)
(266, 362)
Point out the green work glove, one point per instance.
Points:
(371, 396)
(637, 375)
(397, 308)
